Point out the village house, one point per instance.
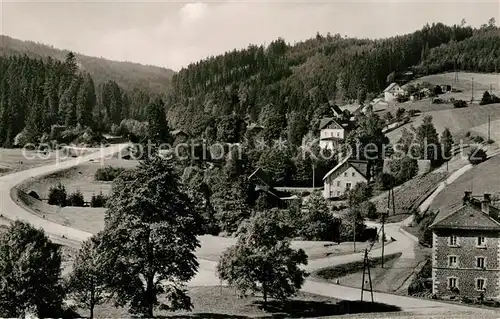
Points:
(392, 92)
(263, 187)
(179, 136)
(344, 176)
(331, 133)
(466, 250)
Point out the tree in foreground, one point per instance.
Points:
(86, 282)
(30, 273)
(262, 260)
(149, 239)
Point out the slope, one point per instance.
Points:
(127, 74)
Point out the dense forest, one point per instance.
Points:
(265, 84)
(36, 95)
(126, 74)
(285, 88)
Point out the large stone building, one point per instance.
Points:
(466, 250)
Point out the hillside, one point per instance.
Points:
(279, 82)
(128, 75)
(473, 119)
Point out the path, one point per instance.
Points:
(206, 274)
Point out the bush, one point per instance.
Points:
(412, 113)
(57, 195)
(108, 173)
(369, 210)
(460, 104)
(384, 181)
(98, 200)
(76, 199)
(477, 156)
(478, 139)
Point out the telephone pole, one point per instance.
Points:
(383, 235)
(354, 231)
(314, 174)
(366, 268)
(472, 93)
(489, 128)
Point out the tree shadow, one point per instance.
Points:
(309, 309)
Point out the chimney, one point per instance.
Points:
(485, 206)
(467, 197)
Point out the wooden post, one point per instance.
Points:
(366, 267)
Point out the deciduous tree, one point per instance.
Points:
(30, 273)
(262, 260)
(149, 239)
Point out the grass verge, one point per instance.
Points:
(223, 302)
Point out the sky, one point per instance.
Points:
(174, 34)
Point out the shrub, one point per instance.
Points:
(369, 210)
(477, 156)
(412, 113)
(57, 195)
(384, 181)
(460, 104)
(467, 134)
(478, 139)
(98, 200)
(76, 199)
(108, 173)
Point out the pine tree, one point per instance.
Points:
(86, 101)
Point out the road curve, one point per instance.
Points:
(206, 275)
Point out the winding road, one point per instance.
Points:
(206, 275)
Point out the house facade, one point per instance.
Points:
(331, 133)
(344, 176)
(392, 92)
(466, 250)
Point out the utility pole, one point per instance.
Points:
(354, 231)
(472, 93)
(366, 267)
(314, 174)
(383, 235)
(489, 124)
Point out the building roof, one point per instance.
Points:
(254, 126)
(390, 87)
(468, 217)
(336, 109)
(327, 121)
(177, 132)
(260, 175)
(360, 166)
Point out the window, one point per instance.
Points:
(452, 261)
(481, 241)
(353, 174)
(338, 183)
(345, 174)
(480, 262)
(452, 282)
(347, 186)
(338, 134)
(453, 240)
(338, 193)
(480, 284)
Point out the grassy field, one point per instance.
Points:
(409, 195)
(14, 160)
(459, 121)
(483, 178)
(223, 302)
(80, 178)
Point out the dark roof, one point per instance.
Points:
(468, 217)
(260, 175)
(177, 132)
(392, 85)
(327, 121)
(360, 166)
(337, 109)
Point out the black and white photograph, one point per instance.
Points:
(240, 159)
